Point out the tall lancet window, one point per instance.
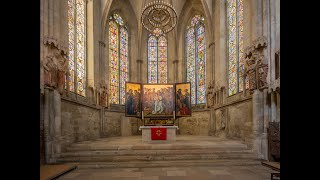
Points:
(157, 59)
(235, 46)
(118, 59)
(77, 46)
(196, 59)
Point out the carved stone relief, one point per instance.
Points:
(210, 95)
(255, 68)
(55, 66)
(104, 96)
(274, 140)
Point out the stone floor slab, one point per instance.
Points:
(176, 173)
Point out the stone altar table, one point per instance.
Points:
(170, 136)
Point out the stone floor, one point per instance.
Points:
(257, 172)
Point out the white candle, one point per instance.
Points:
(142, 114)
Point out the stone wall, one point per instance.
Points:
(235, 120)
(197, 124)
(112, 123)
(116, 124)
(78, 122)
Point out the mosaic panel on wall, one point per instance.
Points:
(196, 59)
(118, 59)
(77, 46)
(235, 47)
(157, 60)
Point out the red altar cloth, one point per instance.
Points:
(158, 133)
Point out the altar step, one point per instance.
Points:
(131, 152)
(167, 163)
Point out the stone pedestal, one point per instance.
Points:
(146, 134)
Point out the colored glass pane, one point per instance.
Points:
(118, 59)
(235, 46)
(118, 19)
(232, 46)
(162, 60)
(195, 20)
(190, 45)
(114, 62)
(196, 59)
(124, 63)
(240, 35)
(80, 25)
(201, 64)
(152, 60)
(71, 28)
(77, 44)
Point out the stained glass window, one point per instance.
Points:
(152, 60)
(77, 46)
(196, 59)
(157, 59)
(235, 46)
(118, 59)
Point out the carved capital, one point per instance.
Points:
(139, 61)
(175, 61)
(211, 44)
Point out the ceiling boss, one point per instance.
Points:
(159, 17)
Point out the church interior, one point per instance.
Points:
(203, 75)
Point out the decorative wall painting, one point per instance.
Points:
(183, 99)
(133, 100)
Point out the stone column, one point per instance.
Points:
(139, 66)
(57, 123)
(102, 66)
(211, 59)
(175, 70)
(90, 46)
(264, 135)
(257, 117)
(257, 18)
(52, 124)
(47, 142)
(278, 107)
(273, 107)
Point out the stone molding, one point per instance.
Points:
(79, 103)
